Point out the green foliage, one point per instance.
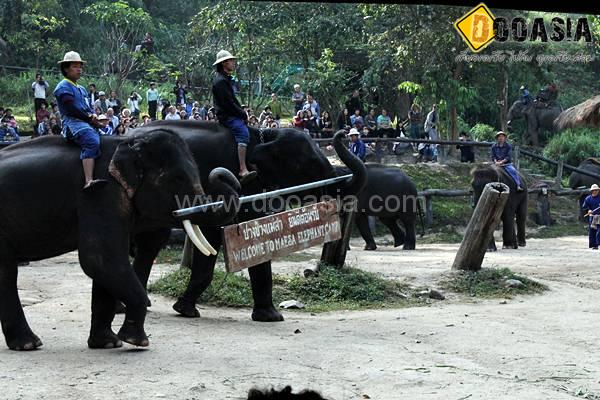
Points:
(573, 146)
(331, 289)
(483, 133)
(490, 283)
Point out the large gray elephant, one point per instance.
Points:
(391, 196)
(515, 208)
(537, 117)
(45, 213)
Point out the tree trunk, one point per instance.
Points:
(481, 227)
(456, 75)
(503, 103)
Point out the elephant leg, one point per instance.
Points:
(203, 268)
(261, 280)
(397, 233)
(362, 222)
(17, 333)
(103, 313)
(508, 230)
(104, 257)
(148, 245)
(492, 244)
(521, 223)
(410, 235)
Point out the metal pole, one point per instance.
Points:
(184, 212)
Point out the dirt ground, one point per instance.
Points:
(532, 347)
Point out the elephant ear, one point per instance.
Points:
(126, 166)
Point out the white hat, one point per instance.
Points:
(353, 131)
(101, 93)
(102, 117)
(71, 56)
(223, 55)
(594, 187)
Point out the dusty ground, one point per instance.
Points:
(538, 347)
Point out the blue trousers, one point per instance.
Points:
(512, 171)
(594, 237)
(239, 130)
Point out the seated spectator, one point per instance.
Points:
(384, 125)
(343, 120)
(210, 116)
(164, 108)
(263, 115)
(125, 113)
(105, 129)
(356, 120)
(7, 133)
(10, 120)
(145, 119)
(183, 115)
(120, 130)
(326, 125)
(41, 114)
(371, 123)
(253, 122)
(54, 112)
(466, 151)
(43, 127)
(196, 116)
(298, 119)
(113, 120)
(310, 124)
(189, 105)
(357, 146)
(102, 102)
(55, 128)
(172, 114)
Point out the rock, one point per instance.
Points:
(402, 296)
(422, 293)
(514, 283)
(434, 294)
(291, 304)
(297, 331)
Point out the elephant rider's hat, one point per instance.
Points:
(594, 187)
(500, 133)
(353, 132)
(223, 55)
(71, 56)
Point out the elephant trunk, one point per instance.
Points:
(359, 171)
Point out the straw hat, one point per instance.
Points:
(594, 187)
(102, 117)
(71, 56)
(223, 55)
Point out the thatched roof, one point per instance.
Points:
(586, 114)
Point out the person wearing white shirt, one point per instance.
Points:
(133, 102)
(172, 115)
(39, 91)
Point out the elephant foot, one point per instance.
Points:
(132, 334)
(104, 340)
(521, 244)
(120, 308)
(371, 246)
(24, 342)
(186, 308)
(398, 243)
(510, 246)
(266, 314)
(408, 247)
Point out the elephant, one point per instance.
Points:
(537, 116)
(391, 196)
(515, 208)
(45, 213)
(282, 157)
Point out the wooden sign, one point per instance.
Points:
(263, 239)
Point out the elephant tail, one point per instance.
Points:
(420, 212)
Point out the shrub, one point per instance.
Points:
(573, 146)
(483, 133)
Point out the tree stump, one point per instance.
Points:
(481, 227)
(543, 207)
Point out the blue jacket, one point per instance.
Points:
(500, 153)
(73, 106)
(359, 149)
(591, 203)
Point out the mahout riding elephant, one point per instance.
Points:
(45, 213)
(391, 196)
(577, 180)
(515, 208)
(283, 158)
(537, 117)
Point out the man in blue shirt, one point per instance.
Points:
(78, 119)
(229, 111)
(591, 204)
(357, 146)
(502, 157)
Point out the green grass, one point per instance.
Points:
(489, 283)
(332, 289)
(558, 230)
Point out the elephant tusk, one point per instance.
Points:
(187, 225)
(202, 238)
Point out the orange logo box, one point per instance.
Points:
(477, 27)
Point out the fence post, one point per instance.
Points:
(543, 207)
(559, 174)
(428, 211)
(481, 227)
(516, 158)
